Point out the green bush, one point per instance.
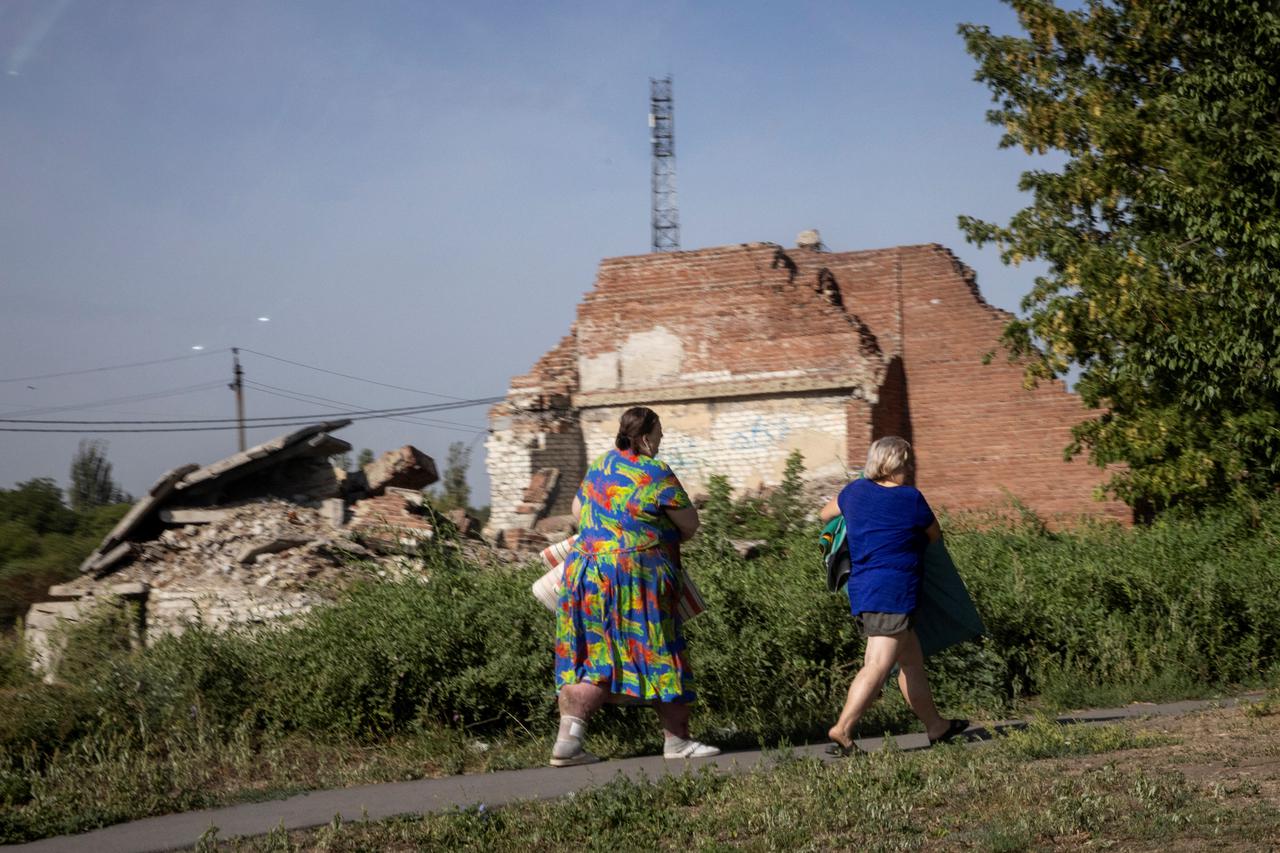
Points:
(1185, 603)
(467, 647)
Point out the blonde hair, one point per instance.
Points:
(886, 457)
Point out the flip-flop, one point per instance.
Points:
(841, 751)
(954, 730)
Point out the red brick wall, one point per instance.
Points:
(910, 319)
(736, 308)
(976, 430)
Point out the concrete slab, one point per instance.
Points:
(139, 514)
(193, 515)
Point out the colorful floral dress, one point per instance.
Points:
(617, 624)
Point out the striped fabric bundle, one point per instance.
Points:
(547, 588)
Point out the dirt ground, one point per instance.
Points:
(1229, 756)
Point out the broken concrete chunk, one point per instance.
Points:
(413, 497)
(271, 546)
(405, 468)
(193, 515)
(468, 527)
(556, 527)
(748, 549)
(334, 511)
(100, 564)
(518, 539)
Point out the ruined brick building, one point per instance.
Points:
(751, 351)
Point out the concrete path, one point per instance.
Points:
(493, 789)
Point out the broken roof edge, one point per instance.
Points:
(184, 477)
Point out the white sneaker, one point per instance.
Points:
(579, 757)
(692, 749)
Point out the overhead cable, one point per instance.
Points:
(358, 414)
(348, 375)
(133, 398)
(301, 397)
(112, 367)
(292, 420)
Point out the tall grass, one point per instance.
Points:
(465, 653)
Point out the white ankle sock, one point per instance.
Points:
(569, 739)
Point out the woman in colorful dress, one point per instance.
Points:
(618, 632)
(888, 523)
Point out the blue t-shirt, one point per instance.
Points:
(885, 528)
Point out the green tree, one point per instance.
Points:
(454, 491)
(37, 504)
(1161, 232)
(364, 458)
(91, 483)
(42, 542)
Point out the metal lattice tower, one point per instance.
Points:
(666, 217)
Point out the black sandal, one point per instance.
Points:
(954, 730)
(841, 751)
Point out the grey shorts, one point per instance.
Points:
(873, 624)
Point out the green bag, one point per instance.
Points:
(945, 613)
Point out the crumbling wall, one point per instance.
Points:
(536, 429)
(744, 359)
(520, 444)
(751, 351)
(980, 436)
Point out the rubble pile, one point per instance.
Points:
(271, 545)
(269, 532)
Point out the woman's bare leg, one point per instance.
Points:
(581, 700)
(879, 658)
(577, 703)
(674, 717)
(914, 684)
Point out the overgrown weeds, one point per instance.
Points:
(456, 670)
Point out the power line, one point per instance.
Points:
(134, 398)
(302, 397)
(112, 367)
(295, 420)
(349, 376)
(358, 414)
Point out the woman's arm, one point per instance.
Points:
(577, 509)
(685, 520)
(933, 531)
(830, 511)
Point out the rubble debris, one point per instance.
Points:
(407, 468)
(189, 515)
(137, 518)
(293, 466)
(334, 511)
(466, 526)
(557, 527)
(251, 552)
(264, 534)
(521, 540)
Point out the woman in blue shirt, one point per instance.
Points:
(888, 525)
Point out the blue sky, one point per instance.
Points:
(419, 192)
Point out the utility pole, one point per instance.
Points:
(237, 385)
(665, 218)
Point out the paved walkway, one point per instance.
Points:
(493, 789)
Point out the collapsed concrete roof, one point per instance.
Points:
(289, 466)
